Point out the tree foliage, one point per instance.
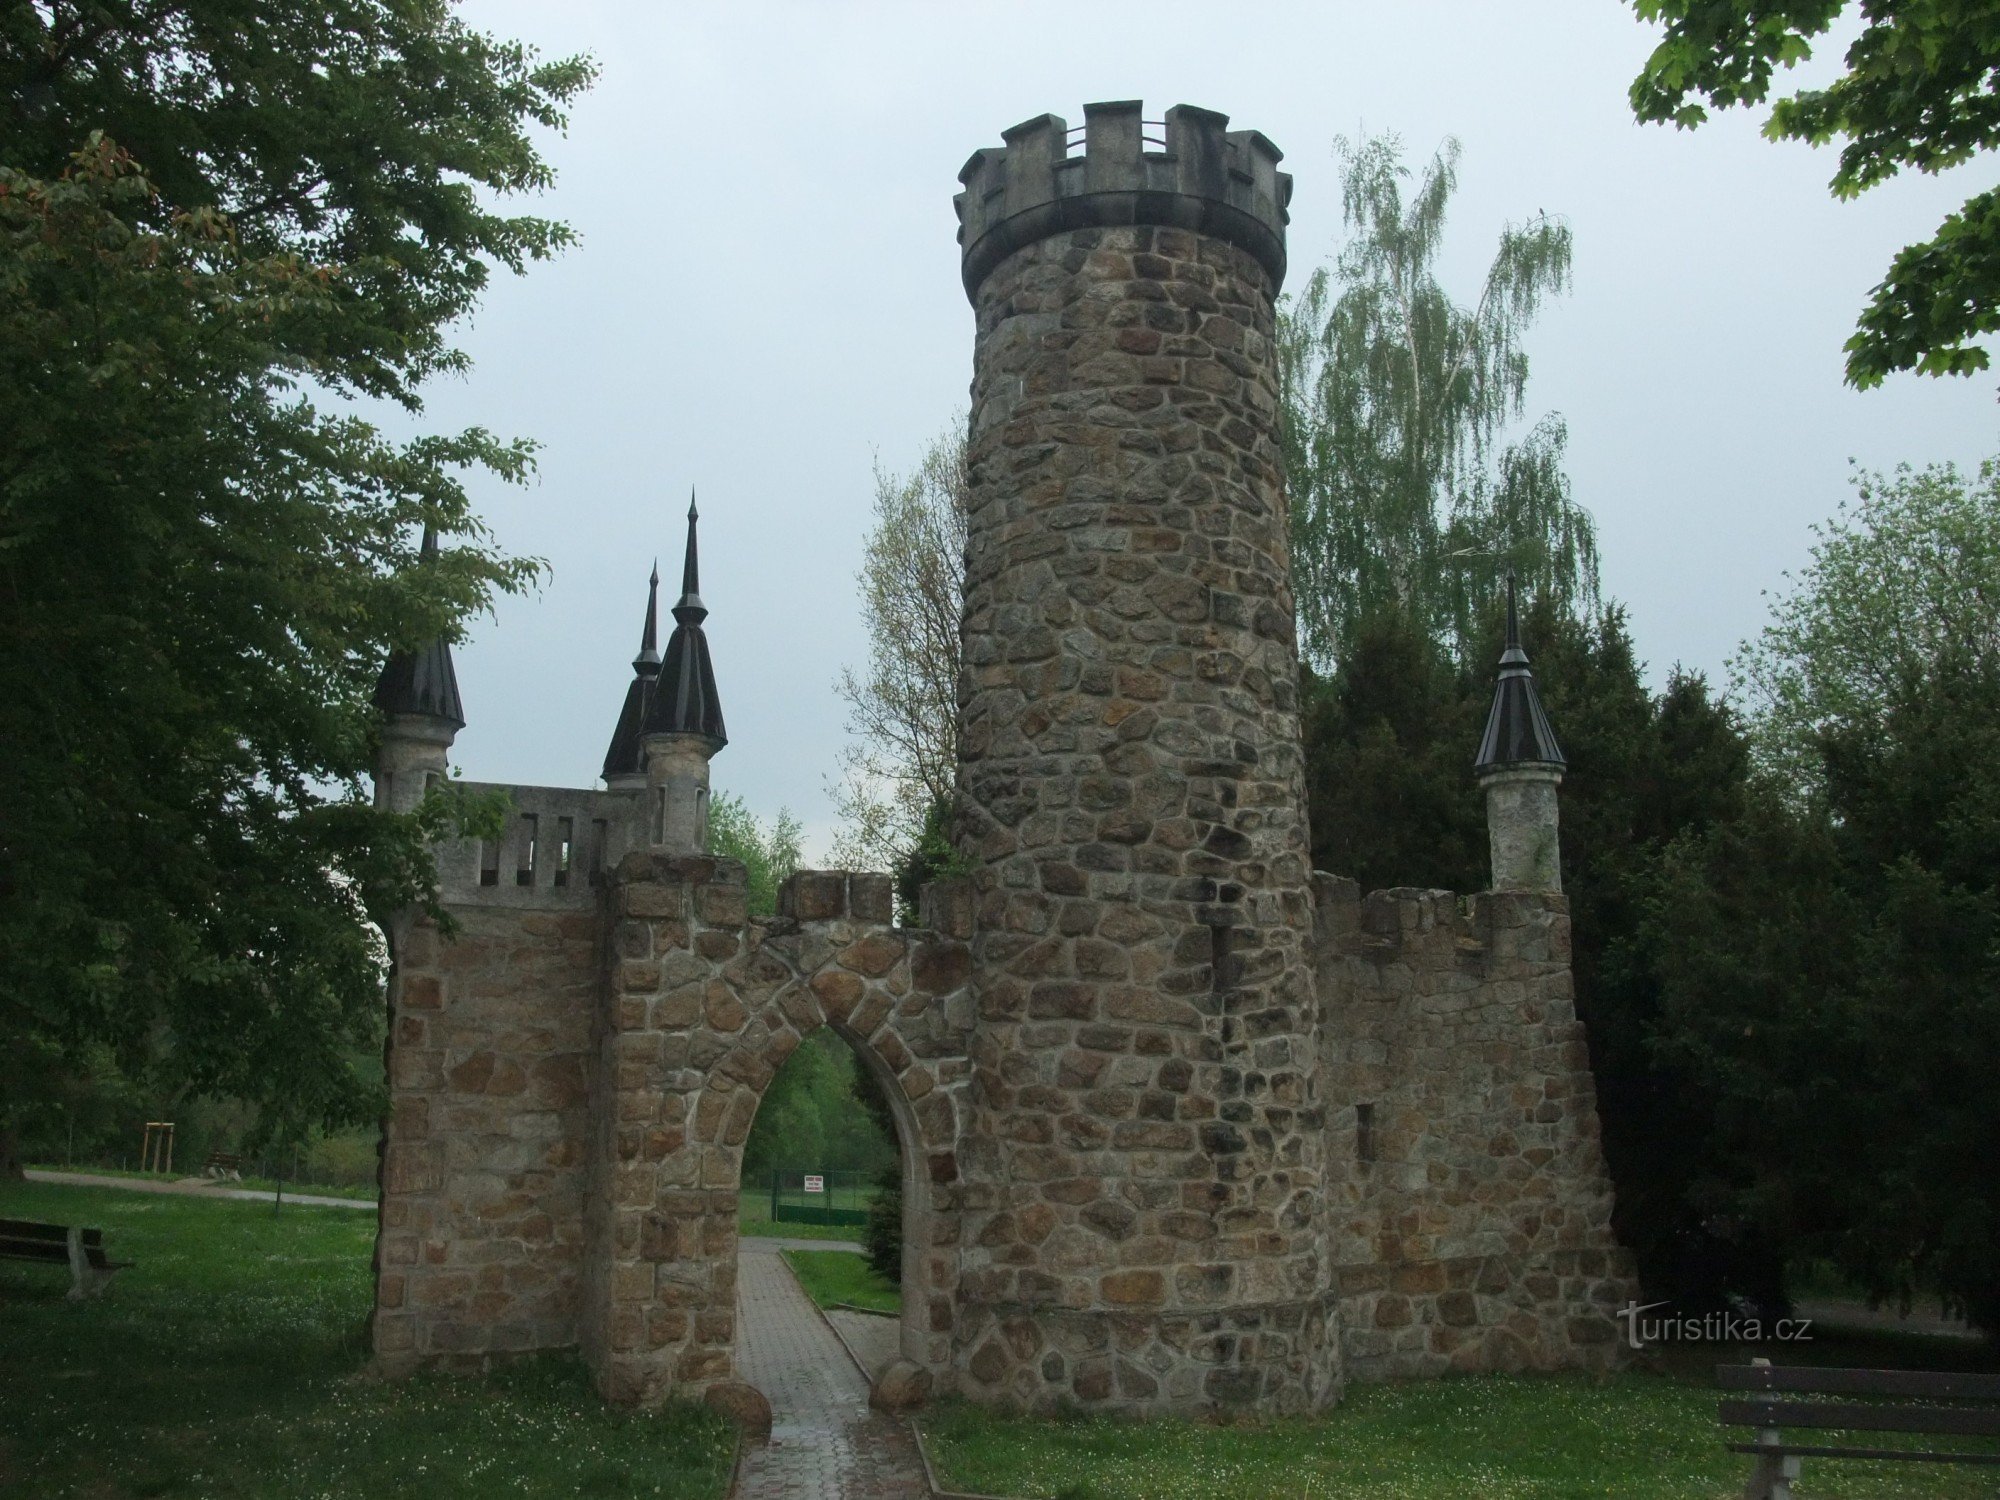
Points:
(770, 855)
(1921, 90)
(1831, 966)
(211, 216)
(1901, 580)
(902, 710)
(1414, 486)
(810, 1121)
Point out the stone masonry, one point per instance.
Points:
(1184, 1126)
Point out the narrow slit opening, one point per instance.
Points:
(566, 832)
(525, 875)
(1364, 1132)
(489, 861)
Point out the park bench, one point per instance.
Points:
(224, 1166)
(1889, 1409)
(89, 1271)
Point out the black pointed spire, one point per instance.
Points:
(625, 757)
(1517, 730)
(685, 701)
(647, 662)
(422, 682)
(691, 575)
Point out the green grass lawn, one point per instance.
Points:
(1492, 1437)
(834, 1277)
(228, 1362)
(755, 1226)
(359, 1194)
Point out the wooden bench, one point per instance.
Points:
(224, 1166)
(1778, 1460)
(89, 1271)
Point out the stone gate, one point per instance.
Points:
(1183, 1124)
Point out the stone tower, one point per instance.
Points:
(417, 695)
(1145, 1155)
(1520, 766)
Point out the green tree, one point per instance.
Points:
(902, 710)
(1919, 91)
(1414, 487)
(212, 218)
(1830, 968)
(769, 855)
(1902, 579)
(810, 1119)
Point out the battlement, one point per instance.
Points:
(559, 844)
(1204, 177)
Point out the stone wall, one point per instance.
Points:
(1144, 1223)
(481, 1244)
(1470, 1209)
(704, 1004)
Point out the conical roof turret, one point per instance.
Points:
(1517, 728)
(684, 700)
(625, 757)
(422, 683)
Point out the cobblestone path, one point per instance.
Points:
(826, 1444)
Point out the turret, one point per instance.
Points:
(682, 725)
(1520, 766)
(1130, 789)
(418, 696)
(625, 761)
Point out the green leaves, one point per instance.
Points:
(206, 212)
(1412, 487)
(1922, 90)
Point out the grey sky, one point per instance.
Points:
(766, 298)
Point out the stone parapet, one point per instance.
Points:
(1470, 1209)
(1201, 176)
(555, 850)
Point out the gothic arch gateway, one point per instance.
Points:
(1184, 1124)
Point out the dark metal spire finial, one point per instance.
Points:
(1517, 728)
(422, 683)
(690, 600)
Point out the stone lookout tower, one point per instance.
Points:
(1147, 1108)
(1184, 1125)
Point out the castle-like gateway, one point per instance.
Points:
(1183, 1124)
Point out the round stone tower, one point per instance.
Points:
(1143, 1171)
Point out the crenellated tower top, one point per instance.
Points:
(1187, 172)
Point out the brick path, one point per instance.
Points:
(825, 1442)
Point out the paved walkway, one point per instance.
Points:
(193, 1187)
(826, 1444)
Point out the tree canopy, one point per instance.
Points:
(1413, 486)
(213, 217)
(1921, 90)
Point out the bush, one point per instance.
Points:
(883, 1233)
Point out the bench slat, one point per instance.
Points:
(1794, 1450)
(1934, 1385)
(1860, 1416)
(13, 1249)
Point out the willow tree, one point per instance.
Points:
(1416, 480)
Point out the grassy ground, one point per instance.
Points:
(228, 1361)
(757, 1227)
(259, 1184)
(1636, 1436)
(833, 1277)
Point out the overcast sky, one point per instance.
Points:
(766, 300)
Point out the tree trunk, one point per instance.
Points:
(10, 1153)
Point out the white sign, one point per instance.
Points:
(815, 1184)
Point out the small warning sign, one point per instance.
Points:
(815, 1184)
